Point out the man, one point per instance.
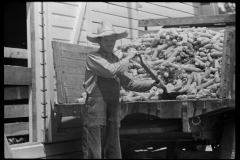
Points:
(104, 76)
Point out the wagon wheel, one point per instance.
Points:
(227, 145)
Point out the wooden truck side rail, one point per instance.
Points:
(227, 89)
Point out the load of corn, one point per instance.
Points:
(187, 60)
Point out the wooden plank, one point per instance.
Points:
(146, 15)
(78, 22)
(71, 122)
(61, 33)
(162, 11)
(175, 6)
(131, 5)
(148, 130)
(226, 63)
(15, 53)
(14, 93)
(36, 57)
(7, 149)
(72, 48)
(133, 33)
(63, 9)
(89, 22)
(17, 110)
(115, 20)
(16, 129)
(196, 20)
(15, 75)
(74, 155)
(194, 4)
(115, 10)
(58, 20)
(46, 150)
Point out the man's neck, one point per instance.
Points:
(108, 54)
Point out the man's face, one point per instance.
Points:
(107, 43)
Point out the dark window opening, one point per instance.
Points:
(15, 25)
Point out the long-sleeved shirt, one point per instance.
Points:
(108, 66)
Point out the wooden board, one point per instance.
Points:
(17, 110)
(69, 58)
(64, 21)
(163, 109)
(15, 53)
(116, 21)
(40, 150)
(74, 155)
(16, 129)
(176, 6)
(162, 10)
(63, 9)
(14, 75)
(203, 20)
(112, 9)
(14, 93)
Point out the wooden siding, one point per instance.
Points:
(14, 93)
(123, 16)
(15, 129)
(16, 110)
(157, 10)
(15, 53)
(14, 75)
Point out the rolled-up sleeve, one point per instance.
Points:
(100, 66)
(135, 85)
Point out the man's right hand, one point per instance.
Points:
(131, 54)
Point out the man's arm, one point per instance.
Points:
(100, 66)
(135, 85)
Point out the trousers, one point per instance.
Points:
(101, 122)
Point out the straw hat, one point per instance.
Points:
(105, 28)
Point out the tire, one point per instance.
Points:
(227, 145)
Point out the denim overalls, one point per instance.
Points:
(101, 121)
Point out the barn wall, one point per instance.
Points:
(123, 16)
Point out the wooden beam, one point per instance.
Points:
(147, 130)
(36, 55)
(46, 150)
(15, 53)
(78, 22)
(202, 20)
(16, 129)
(89, 21)
(15, 75)
(14, 93)
(17, 110)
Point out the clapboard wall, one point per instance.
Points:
(123, 16)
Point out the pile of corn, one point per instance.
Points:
(185, 59)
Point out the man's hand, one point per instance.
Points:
(131, 54)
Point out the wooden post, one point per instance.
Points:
(89, 22)
(79, 22)
(30, 66)
(36, 96)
